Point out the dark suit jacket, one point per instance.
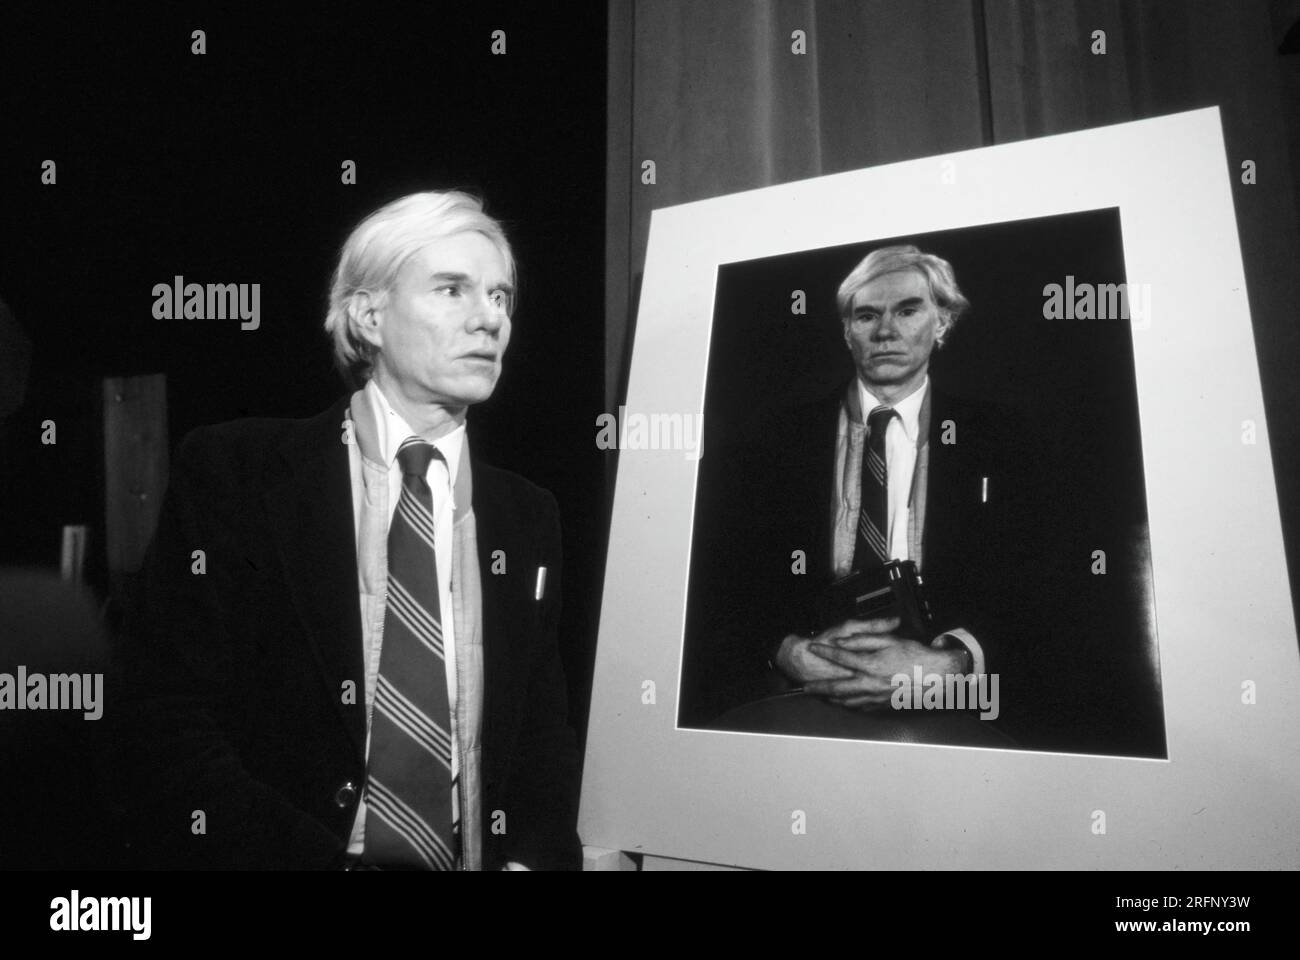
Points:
(770, 494)
(232, 699)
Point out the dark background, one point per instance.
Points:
(1072, 380)
(226, 167)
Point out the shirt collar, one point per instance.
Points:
(908, 409)
(392, 430)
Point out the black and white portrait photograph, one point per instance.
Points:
(646, 436)
(1006, 479)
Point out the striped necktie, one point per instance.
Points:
(871, 546)
(408, 783)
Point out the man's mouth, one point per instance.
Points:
(486, 355)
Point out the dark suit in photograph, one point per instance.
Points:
(771, 493)
(243, 709)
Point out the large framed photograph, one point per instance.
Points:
(1045, 545)
(976, 559)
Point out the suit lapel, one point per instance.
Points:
(819, 452)
(503, 617)
(311, 515)
(953, 486)
(940, 477)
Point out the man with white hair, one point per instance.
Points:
(884, 469)
(897, 306)
(347, 650)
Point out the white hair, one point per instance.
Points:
(938, 273)
(378, 248)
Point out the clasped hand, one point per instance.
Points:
(852, 664)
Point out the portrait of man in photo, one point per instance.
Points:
(894, 559)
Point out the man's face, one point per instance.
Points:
(892, 328)
(445, 325)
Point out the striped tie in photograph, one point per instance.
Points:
(409, 782)
(871, 546)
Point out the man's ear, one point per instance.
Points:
(366, 317)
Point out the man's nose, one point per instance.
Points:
(487, 314)
(886, 328)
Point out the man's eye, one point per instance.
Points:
(451, 289)
(500, 299)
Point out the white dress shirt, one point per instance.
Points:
(900, 459)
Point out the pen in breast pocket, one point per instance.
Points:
(540, 590)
